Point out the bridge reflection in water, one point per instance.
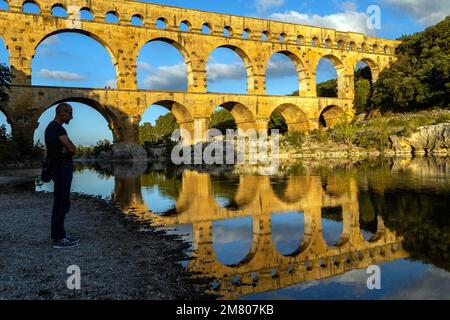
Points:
(265, 268)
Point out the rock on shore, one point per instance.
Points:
(433, 140)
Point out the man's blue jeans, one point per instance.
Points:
(62, 177)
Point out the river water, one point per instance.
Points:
(377, 229)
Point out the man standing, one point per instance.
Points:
(60, 151)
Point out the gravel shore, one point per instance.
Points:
(118, 258)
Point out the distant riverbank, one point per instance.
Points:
(118, 258)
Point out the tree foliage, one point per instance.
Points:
(277, 122)
(162, 130)
(222, 120)
(5, 82)
(419, 79)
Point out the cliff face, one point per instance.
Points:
(433, 139)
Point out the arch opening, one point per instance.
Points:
(161, 23)
(160, 192)
(366, 72)
(161, 119)
(185, 26)
(206, 28)
(5, 125)
(53, 62)
(87, 113)
(58, 10)
(137, 20)
(229, 70)
(163, 64)
(330, 116)
(330, 77)
(233, 240)
(288, 117)
(287, 230)
(86, 14)
(246, 33)
(31, 7)
(225, 189)
(285, 74)
(227, 32)
(112, 17)
(232, 115)
(333, 226)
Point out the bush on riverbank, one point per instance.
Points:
(373, 134)
(14, 150)
(92, 152)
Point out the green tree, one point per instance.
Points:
(277, 121)
(5, 82)
(362, 95)
(419, 79)
(327, 88)
(222, 120)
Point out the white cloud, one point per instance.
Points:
(144, 66)
(61, 75)
(219, 71)
(426, 12)
(349, 20)
(264, 5)
(165, 77)
(280, 68)
(174, 77)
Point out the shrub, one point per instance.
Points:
(295, 139)
(344, 131)
(320, 135)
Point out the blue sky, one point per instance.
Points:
(75, 60)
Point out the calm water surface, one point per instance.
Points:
(309, 232)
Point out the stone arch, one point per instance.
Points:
(36, 3)
(294, 116)
(88, 10)
(58, 5)
(229, 30)
(181, 113)
(187, 24)
(114, 14)
(300, 68)
(374, 68)
(251, 252)
(113, 119)
(244, 118)
(340, 73)
(288, 220)
(330, 116)
(139, 18)
(183, 52)
(248, 64)
(90, 35)
(206, 28)
(164, 21)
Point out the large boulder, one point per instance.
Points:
(400, 145)
(433, 139)
(128, 152)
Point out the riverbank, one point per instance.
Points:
(118, 258)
